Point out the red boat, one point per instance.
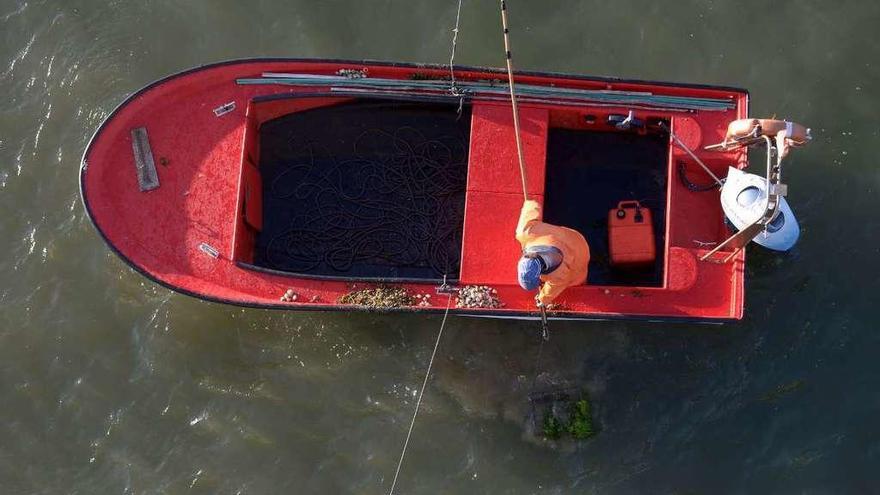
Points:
(301, 184)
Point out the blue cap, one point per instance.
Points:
(529, 271)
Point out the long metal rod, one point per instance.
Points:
(343, 90)
(691, 153)
(519, 148)
(620, 98)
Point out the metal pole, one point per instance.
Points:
(691, 153)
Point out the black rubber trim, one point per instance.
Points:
(428, 98)
(338, 278)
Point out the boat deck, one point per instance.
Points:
(206, 229)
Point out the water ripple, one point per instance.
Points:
(185, 394)
(15, 12)
(18, 57)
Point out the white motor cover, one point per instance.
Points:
(743, 199)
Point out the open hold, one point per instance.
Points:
(371, 189)
(588, 173)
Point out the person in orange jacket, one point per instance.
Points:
(556, 256)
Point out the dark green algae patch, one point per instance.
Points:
(578, 424)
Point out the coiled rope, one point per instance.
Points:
(398, 207)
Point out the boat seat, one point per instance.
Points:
(494, 190)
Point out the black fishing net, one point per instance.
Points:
(368, 189)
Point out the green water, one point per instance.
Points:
(111, 384)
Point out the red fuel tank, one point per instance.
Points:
(631, 235)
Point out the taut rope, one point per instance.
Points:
(421, 393)
(519, 149)
(454, 89)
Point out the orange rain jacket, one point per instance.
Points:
(531, 231)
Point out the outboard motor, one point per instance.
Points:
(743, 198)
(756, 205)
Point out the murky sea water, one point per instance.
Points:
(111, 384)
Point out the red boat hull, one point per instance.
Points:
(194, 233)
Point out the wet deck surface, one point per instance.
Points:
(368, 189)
(588, 173)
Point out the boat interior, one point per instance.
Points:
(427, 189)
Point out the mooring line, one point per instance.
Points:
(544, 338)
(421, 393)
(454, 88)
